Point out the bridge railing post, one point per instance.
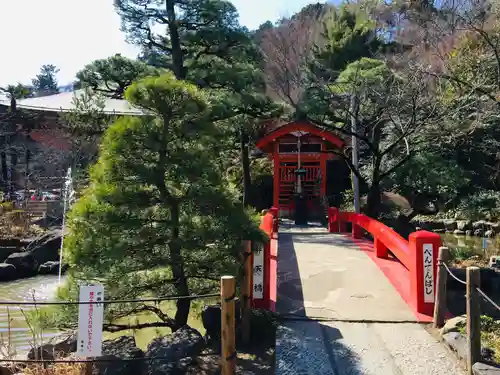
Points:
(356, 230)
(424, 249)
(333, 226)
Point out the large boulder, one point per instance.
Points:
(51, 268)
(47, 247)
(64, 345)
(211, 319)
(450, 225)
(121, 348)
(454, 324)
(5, 251)
(7, 272)
(464, 225)
(481, 224)
(25, 263)
(480, 368)
(174, 351)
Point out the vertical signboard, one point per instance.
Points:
(258, 272)
(428, 273)
(90, 321)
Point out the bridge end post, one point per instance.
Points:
(424, 249)
(333, 225)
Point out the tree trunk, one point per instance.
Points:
(173, 30)
(373, 201)
(3, 161)
(181, 286)
(245, 164)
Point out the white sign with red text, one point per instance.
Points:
(90, 321)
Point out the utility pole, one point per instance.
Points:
(354, 141)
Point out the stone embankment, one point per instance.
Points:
(176, 353)
(30, 257)
(465, 227)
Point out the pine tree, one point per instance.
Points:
(112, 76)
(45, 82)
(205, 44)
(157, 217)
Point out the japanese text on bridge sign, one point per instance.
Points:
(428, 273)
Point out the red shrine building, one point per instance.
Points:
(301, 153)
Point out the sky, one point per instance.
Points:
(72, 33)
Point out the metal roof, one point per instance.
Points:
(63, 102)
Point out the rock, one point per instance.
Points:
(495, 227)
(481, 224)
(494, 262)
(211, 318)
(485, 369)
(464, 225)
(123, 347)
(489, 280)
(61, 348)
(487, 354)
(451, 283)
(469, 232)
(459, 232)
(46, 248)
(439, 231)
(478, 232)
(185, 342)
(489, 234)
(25, 263)
(7, 272)
(51, 268)
(10, 242)
(454, 324)
(6, 369)
(450, 225)
(457, 342)
(5, 251)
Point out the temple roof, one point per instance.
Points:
(304, 127)
(64, 102)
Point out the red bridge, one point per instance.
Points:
(353, 294)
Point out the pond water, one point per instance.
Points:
(19, 336)
(466, 244)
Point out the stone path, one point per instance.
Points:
(367, 328)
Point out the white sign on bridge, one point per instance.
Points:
(90, 321)
(258, 272)
(428, 273)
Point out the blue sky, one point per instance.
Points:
(71, 33)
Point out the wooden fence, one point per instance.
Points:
(473, 305)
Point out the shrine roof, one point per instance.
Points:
(299, 126)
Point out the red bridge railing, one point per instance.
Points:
(418, 254)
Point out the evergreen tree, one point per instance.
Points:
(113, 75)
(157, 218)
(45, 82)
(206, 45)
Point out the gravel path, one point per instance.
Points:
(326, 276)
(339, 348)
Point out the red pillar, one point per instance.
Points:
(333, 225)
(322, 165)
(424, 248)
(276, 183)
